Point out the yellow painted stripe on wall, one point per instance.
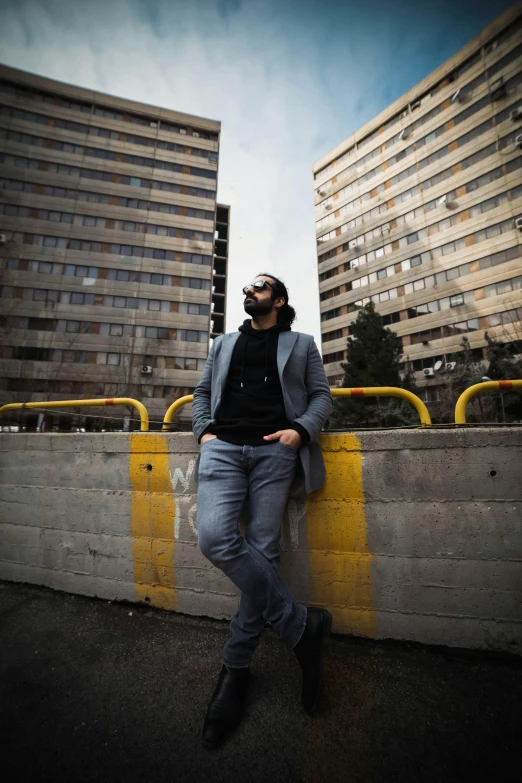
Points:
(153, 510)
(340, 561)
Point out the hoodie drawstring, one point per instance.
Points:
(267, 337)
(243, 358)
(245, 329)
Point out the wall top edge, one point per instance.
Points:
(371, 440)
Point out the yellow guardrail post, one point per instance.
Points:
(369, 391)
(465, 397)
(169, 415)
(139, 406)
(388, 391)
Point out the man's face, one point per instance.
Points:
(259, 302)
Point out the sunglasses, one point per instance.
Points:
(259, 285)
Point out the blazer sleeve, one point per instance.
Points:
(201, 416)
(320, 403)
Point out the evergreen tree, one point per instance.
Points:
(373, 354)
(467, 372)
(504, 367)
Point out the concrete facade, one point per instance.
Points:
(418, 211)
(416, 535)
(108, 217)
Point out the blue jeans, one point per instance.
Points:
(228, 475)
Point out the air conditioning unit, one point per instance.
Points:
(460, 96)
(404, 133)
(321, 192)
(146, 369)
(450, 366)
(516, 114)
(429, 372)
(3, 239)
(497, 89)
(518, 141)
(489, 47)
(518, 223)
(445, 201)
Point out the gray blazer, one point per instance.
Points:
(306, 393)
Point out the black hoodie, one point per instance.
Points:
(252, 404)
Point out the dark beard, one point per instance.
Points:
(255, 309)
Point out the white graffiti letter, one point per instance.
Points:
(177, 475)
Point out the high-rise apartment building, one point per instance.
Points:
(421, 212)
(219, 288)
(108, 223)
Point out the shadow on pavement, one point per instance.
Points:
(92, 690)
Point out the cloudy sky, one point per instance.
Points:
(289, 80)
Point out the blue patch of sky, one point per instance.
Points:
(393, 46)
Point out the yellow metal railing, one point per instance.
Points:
(465, 397)
(369, 391)
(388, 391)
(169, 415)
(139, 406)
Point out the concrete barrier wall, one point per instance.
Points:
(416, 535)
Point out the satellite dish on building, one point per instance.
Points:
(437, 365)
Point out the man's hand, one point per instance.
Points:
(288, 437)
(206, 437)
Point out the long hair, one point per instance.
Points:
(286, 312)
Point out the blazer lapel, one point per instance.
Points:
(285, 346)
(223, 366)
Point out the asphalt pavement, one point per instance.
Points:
(98, 691)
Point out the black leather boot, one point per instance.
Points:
(309, 652)
(226, 707)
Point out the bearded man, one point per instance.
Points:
(258, 410)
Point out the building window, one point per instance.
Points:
(504, 287)
(116, 330)
(194, 309)
(189, 335)
(456, 300)
(103, 357)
